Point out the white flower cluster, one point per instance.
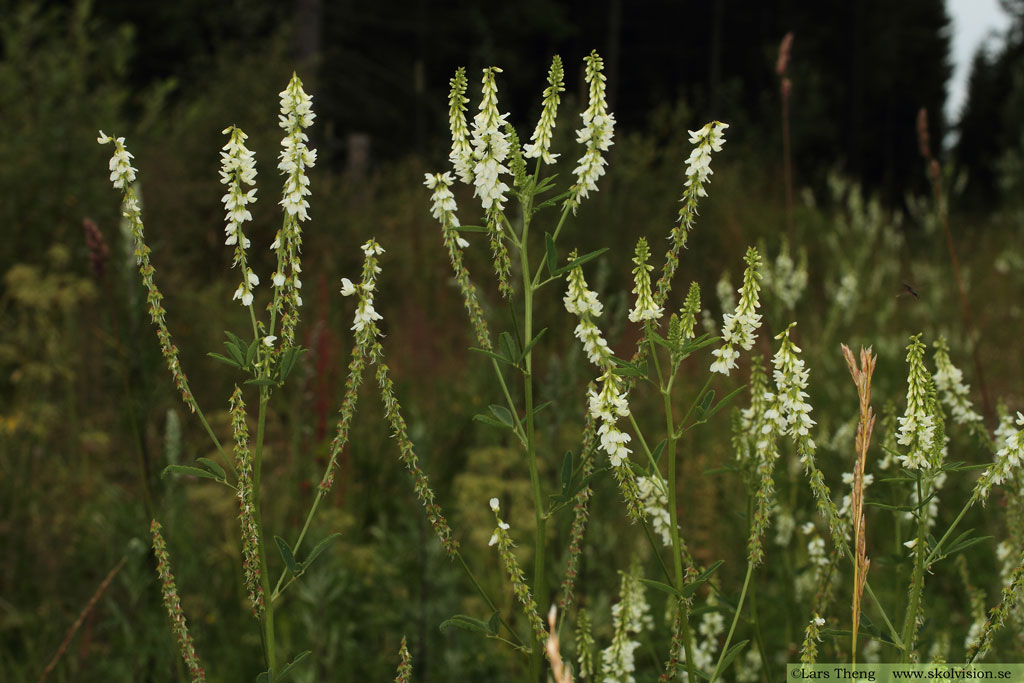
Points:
(490, 147)
(655, 500)
(698, 166)
(296, 156)
(442, 202)
(238, 169)
(540, 142)
(461, 155)
(949, 380)
(791, 411)
(1008, 458)
(366, 316)
(122, 173)
(608, 406)
(917, 425)
(846, 292)
(645, 308)
(785, 278)
(583, 302)
(725, 292)
(501, 524)
(630, 616)
(597, 133)
(740, 327)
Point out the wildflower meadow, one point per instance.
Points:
(556, 402)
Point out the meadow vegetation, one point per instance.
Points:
(476, 400)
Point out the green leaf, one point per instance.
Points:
(532, 342)
(959, 547)
(508, 345)
(663, 587)
(288, 358)
(266, 677)
(236, 352)
(550, 254)
(545, 184)
(728, 397)
(494, 622)
(700, 342)
(656, 453)
(289, 668)
(317, 550)
(250, 353)
(262, 382)
(286, 554)
(503, 414)
(541, 407)
(692, 587)
(491, 354)
(466, 623)
(631, 371)
(730, 655)
(213, 467)
(551, 202)
(471, 228)
(567, 467)
(705, 403)
(190, 471)
(488, 420)
(580, 261)
(223, 359)
(659, 340)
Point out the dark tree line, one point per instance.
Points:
(860, 70)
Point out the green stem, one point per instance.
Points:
(216, 441)
(268, 611)
(759, 638)
(949, 531)
(735, 618)
(487, 598)
(673, 511)
(539, 577)
(917, 579)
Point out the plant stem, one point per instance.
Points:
(539, 577)
(952, 527)
(673, 511)
(916, 581)
(268, 611)
(735, 618)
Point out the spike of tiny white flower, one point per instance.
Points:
(1008, 458)
(698, 167)
(490, 146)
(461, 154)
(740, 328)
(540, 142)
(645, 308)
(597, 133)
(238, 169)
(917, 425)
(122, 173)
(949, 380)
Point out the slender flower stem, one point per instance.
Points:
(268, 613)
(938, 546)
(735, 618)
(673, 511)
(539, 576)
(216, 441)
(916, 582)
